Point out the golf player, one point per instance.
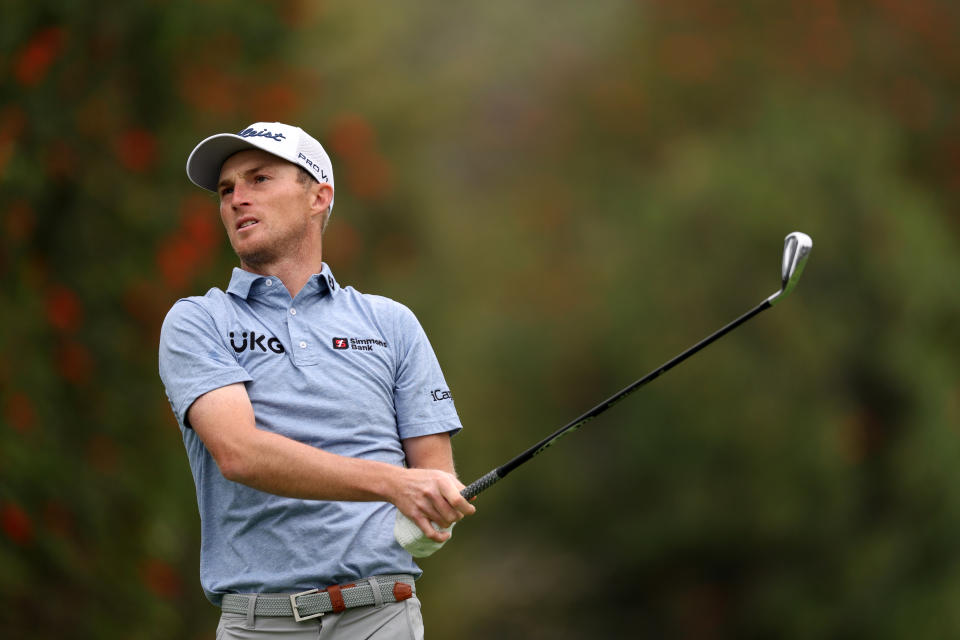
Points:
(310, 412)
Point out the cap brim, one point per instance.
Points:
(207, 158)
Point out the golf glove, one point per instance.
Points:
(412, 539)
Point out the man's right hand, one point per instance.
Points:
(428, 496)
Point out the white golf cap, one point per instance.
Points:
(293, 144)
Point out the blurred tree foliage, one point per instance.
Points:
(567, 195)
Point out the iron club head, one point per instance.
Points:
(796, 250)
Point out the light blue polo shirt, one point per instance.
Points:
(351, 373)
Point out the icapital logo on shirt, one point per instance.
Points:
(441, 394)
(256, 343)
(358, 344)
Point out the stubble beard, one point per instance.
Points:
(268, 253)
(257, 258)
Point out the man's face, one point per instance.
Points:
(264, 208)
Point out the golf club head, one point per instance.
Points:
(796, 250)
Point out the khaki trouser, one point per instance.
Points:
(392, 621)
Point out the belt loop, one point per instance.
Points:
(377, 594)
(336, 598)
(252, 611)
(402, 591)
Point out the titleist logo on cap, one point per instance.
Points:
(263, 133)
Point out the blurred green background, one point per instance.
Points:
(567, 194)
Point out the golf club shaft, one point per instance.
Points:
(491, 478)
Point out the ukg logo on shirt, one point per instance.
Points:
(255, 342)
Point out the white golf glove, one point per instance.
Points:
(411, 538)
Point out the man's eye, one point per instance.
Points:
(261, 179)
(225, 191)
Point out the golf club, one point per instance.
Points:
(796, 250)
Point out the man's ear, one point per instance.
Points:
(321, 196)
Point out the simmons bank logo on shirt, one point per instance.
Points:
(358, 344)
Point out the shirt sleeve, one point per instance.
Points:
(422, 398)
(193, 357)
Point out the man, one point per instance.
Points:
(310, 412)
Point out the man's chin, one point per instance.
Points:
(255, 259)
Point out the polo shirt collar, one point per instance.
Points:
(242, 281)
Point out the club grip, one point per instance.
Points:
(481, 484)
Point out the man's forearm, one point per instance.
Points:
(276, 464)
(224, 420)
(430, 452)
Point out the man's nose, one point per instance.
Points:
(239, 195)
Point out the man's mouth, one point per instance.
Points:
(249, 222)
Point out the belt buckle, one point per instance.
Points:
(296, 611)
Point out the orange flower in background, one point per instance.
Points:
(370, 177)
(95, 116)
(950, 152)
(160, 578)
(142, 303)
(929, 23)
(64, 311)
(827, 43)
(198, 204)
(367, 172)
(351, 136)
(58, 519)
(275, 102)
(341, 244)
(298, 13)
(176, 258)
(74, 363)
(12, 122)
(199, 222)
(60, 160)
(136, 149)
(34, 60)
(689, 56)
(103, 454)
(19, 221)
(913, 101)
(18, 412)
(211, 91)
(397, 254)
(16, 524)
(192, 247)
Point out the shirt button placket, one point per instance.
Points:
(301, 354)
